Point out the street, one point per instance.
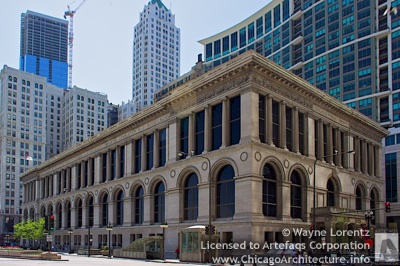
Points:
(67, 259)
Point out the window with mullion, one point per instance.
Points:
(149, 152)
(261, 118)
(184, 135)
(216, 127)
(122, 161)
(139, 205)
(331, 193)
(85, 174)
(289, 128)
(275, 123)
(104, 210)
(191, 201)
(295, 196)
(225, 193)
(235, 120)
(104, 167)
(138, 155)
(113, 164)
(269, 192)
(162, 138)
(90, 211)
(159, 203)
(199, 132)
(120, 208)
(80, 213)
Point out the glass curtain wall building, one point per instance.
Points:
(349, 49)
(44, 47)
(156, 53)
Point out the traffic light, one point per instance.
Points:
(212, 230)
(46, 223)
(207, 230)
(387, 206)
(51, 223)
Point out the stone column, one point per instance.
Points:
(249, 118)
(207, 129)
(73, 177)
(96, 214)
(82, 174)
(128, 211)
(97, 169)
(191, 133)
(147, 206)
(129, 158)
(172, 141)
(285, 202)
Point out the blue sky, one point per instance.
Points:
(103, 35)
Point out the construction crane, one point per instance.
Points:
(70, 13)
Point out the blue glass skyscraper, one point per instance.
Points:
(44, 47)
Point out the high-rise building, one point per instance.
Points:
(38, 120)
(85, 114)
(22, 136)
(125, 110)
(156, 53)
(44, 47)
(349, 49)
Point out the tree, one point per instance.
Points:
(29, 230)
(341, 224)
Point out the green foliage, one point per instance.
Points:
(29, 230)
(341, 223)
(105, 248)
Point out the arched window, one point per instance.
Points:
(358, 198)
(191, 197)
(373, 199)
(68, 208)
(90, 210)
(59, 216)
(159, 203)
(32, 214)
(139, 205)
(226, 192)
(79, 209)
(43, 211)
(26, 215)
(104, 210)
(50, 209)
(120, 208)
(330, 186)
(269, 197)
(295, 195)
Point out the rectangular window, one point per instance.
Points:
(199, 132)
(122, 161)
(162, 138)
(261, 118)
(216, 126)
(289, 128)
(217, 49)
(149, 152)
(235, 120)
(225, 45)
(242, 37)
(184, 135)
(234, 41)
(113, 164)
(277, 16)
(275, 123)
(138, 155)
(268, 22)
(250, 30)
(301, 133)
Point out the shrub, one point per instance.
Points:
(105, 248)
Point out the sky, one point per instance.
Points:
(103, 35)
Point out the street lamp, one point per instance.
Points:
(314, 189)
(369, 215)
(181, 154)
(7, 239)
(109, 229)
(164, 225)
(70, 231)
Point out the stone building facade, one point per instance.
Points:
(253, 133)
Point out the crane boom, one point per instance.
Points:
(70, 13)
